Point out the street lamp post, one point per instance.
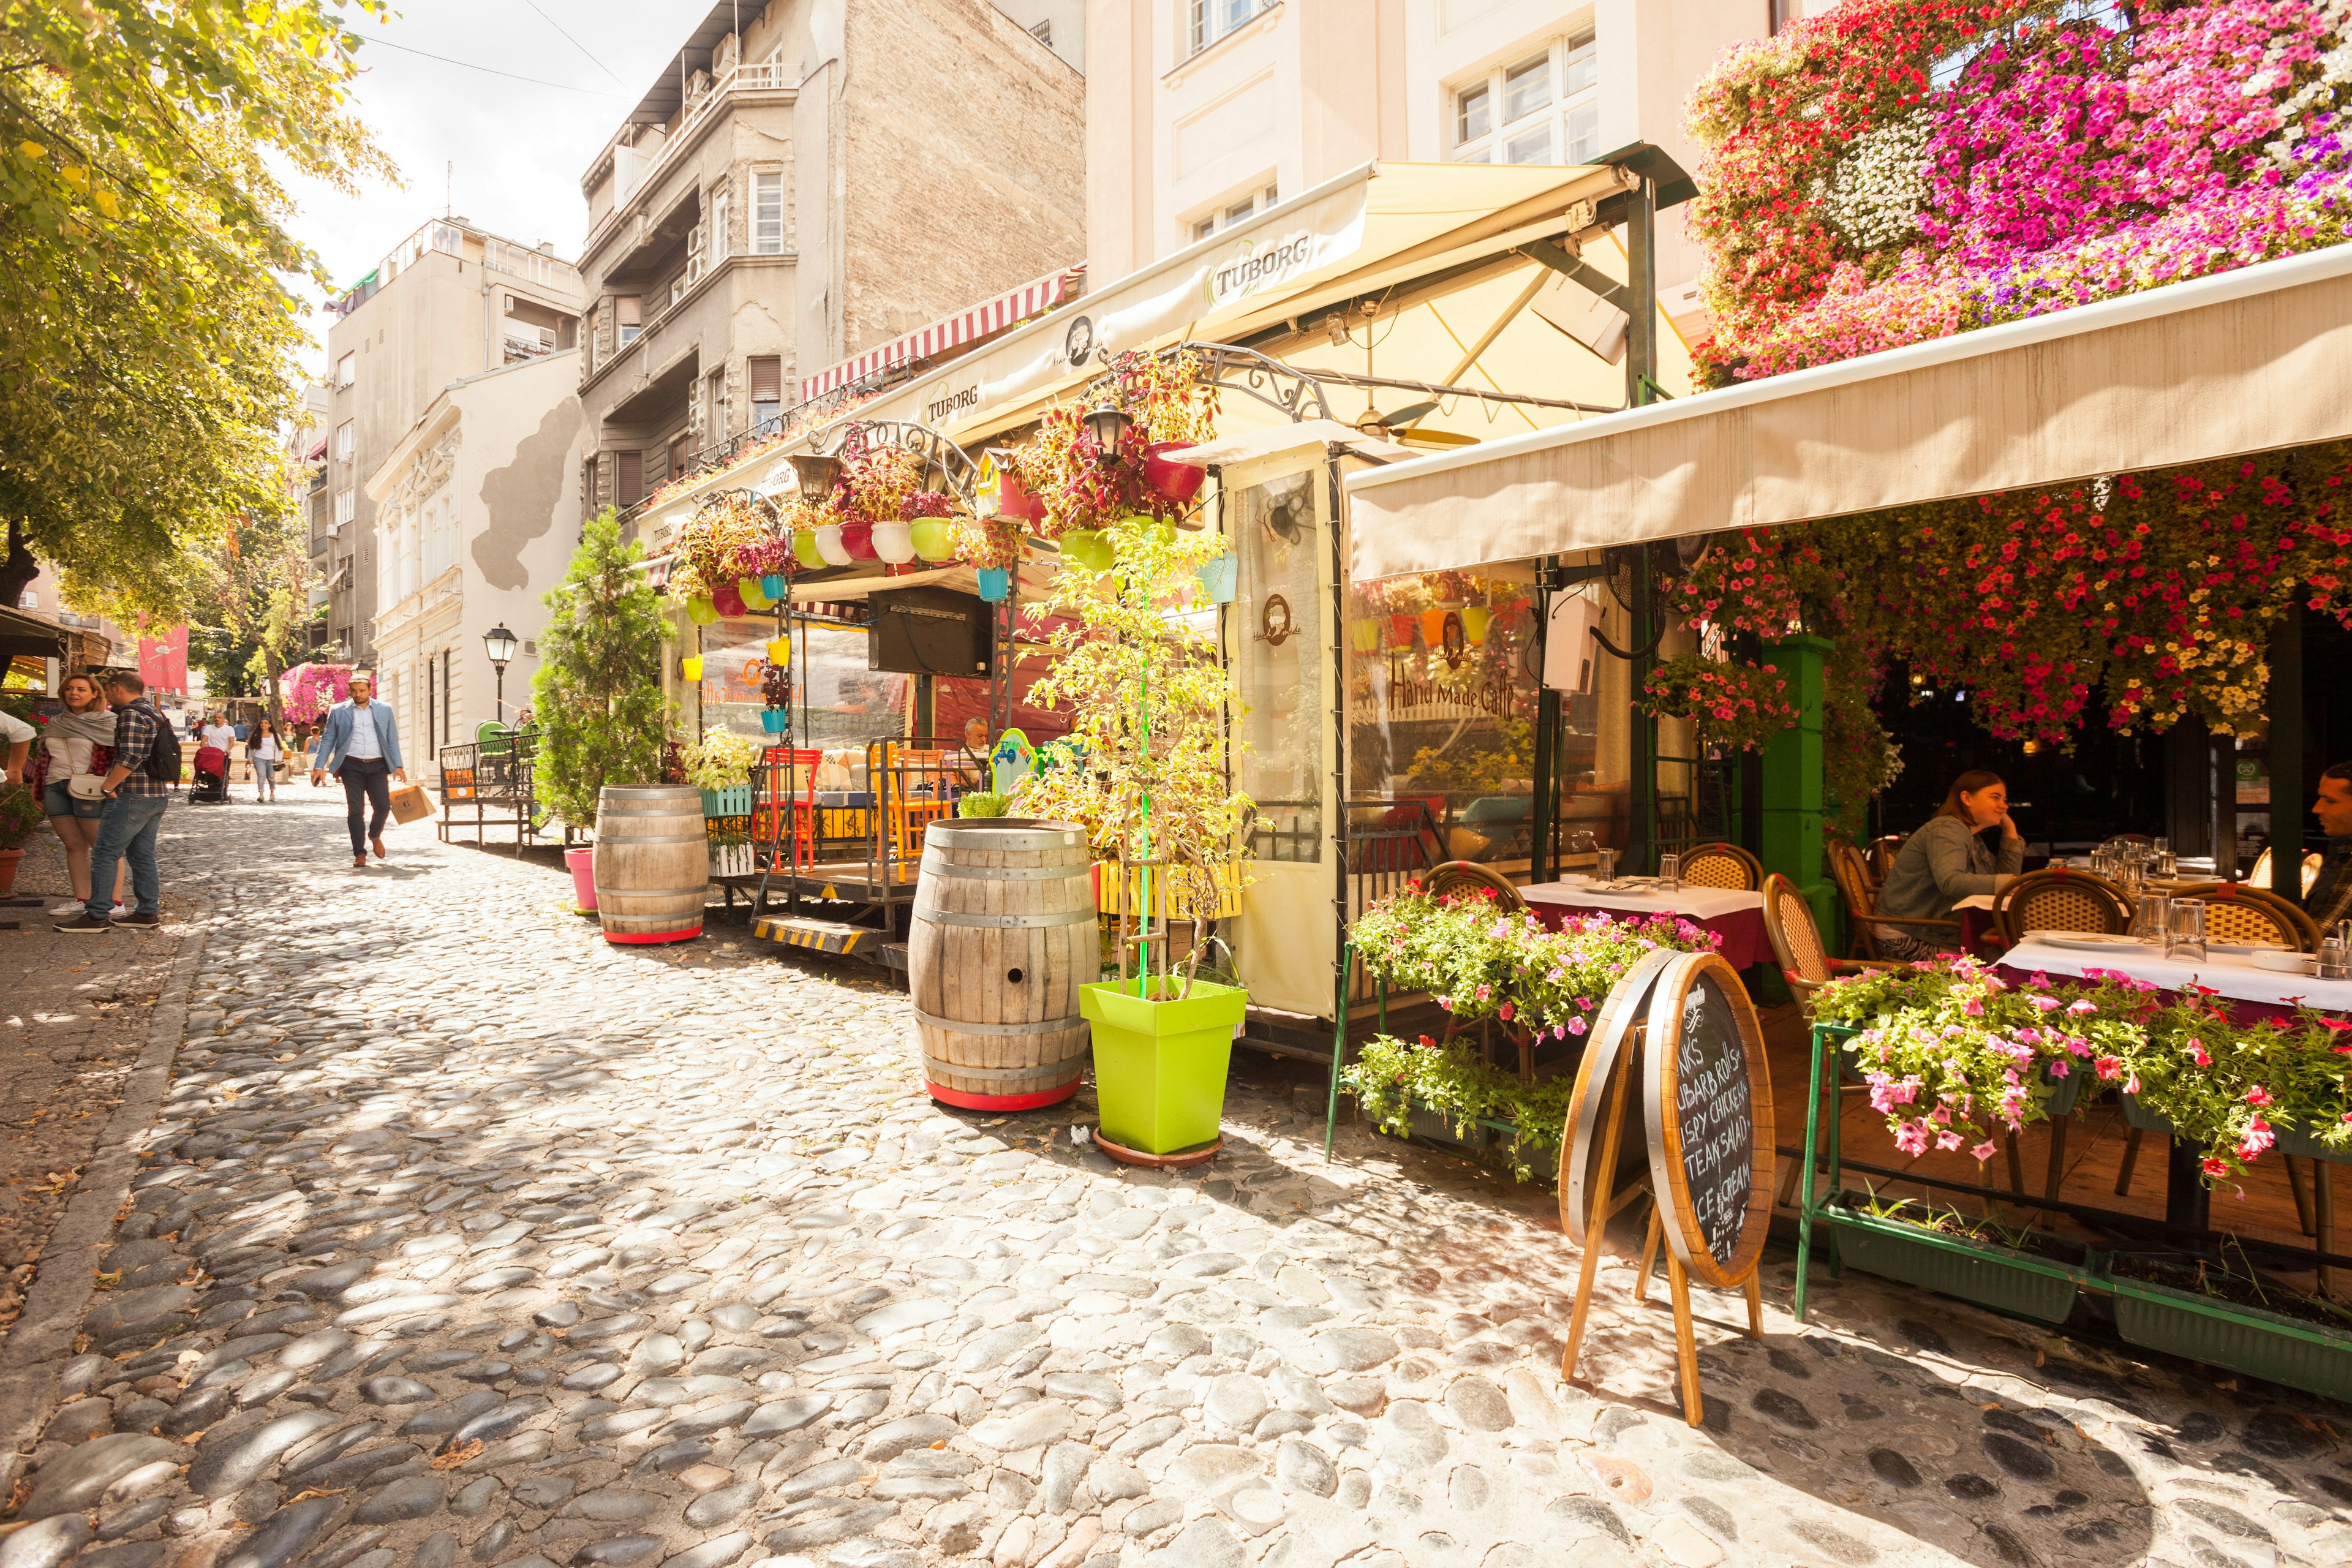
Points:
(501, 644)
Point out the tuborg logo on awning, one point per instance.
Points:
(1258, 264)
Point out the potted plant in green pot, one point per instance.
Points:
(1147, 696)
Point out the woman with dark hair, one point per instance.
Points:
(1949, 860)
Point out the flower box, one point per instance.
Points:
(1486, 1141)
(2259, 1343)
(2022, 1284)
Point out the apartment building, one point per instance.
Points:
(1201, 112)
(474, 507)
(449, 301)
(806, 179)
(306, 491)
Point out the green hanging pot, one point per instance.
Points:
(932, 539)
(804, 549)
(700, 610)
(1087, 548)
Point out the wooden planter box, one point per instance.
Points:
(2282, 1349)
(2020, 1283)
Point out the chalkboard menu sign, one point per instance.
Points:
(1592, 1155)
(1708, 1105)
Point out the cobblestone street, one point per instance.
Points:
(466, 1238)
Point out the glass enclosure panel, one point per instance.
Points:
(1278, 631)
(1443, 683)
(734, 663)
(846, 703)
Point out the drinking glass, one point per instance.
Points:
(1604, 864)
(2188, 930)
(2151, 919)
(2167, 866)
(1670, 872)
(2162, 846)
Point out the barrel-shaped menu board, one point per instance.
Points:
(1615, 1039)
(1707, 1100)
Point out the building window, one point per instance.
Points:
(628, 479)
(590, 500)
(625, 312)
(347, 507)
(1542, 108)
(1223, 218)
(681, 448)
(714, 402)
(766, 375)
(767, 213)
(1212, 19)
(1776, 16)
(347, 439)
(347, 371)
(721, 236)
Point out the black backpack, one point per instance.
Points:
(164, 755)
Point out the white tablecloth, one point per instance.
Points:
(2233, 977)
(1692, 902)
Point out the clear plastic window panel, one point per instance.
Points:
(734, 663)
(1280, 626)
(847, 703)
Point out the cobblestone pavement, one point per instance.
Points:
(466, 1239)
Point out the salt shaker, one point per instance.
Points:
(2333, 961)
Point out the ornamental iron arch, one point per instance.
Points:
(956, 467)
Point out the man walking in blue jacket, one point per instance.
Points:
(360, 746)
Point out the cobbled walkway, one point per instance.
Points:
(466, 1239)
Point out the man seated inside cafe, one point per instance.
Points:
(2330, 898)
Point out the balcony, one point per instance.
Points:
(702, 109)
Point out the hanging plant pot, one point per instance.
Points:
(995, 584)
(1432, 627)
(858, 538)
(1221, 578)
(1474, 621)
(726, 600)
(1085, 547)
(830, 547)
(933, 542)
(747, 590)
(701, 611)
(1401, 630)
(804, 549)
(779, 652)
(1160, 1065)
(690, 666)
(1366, 631)
(894, 541)
(771, 585)
(1015, 500)
(1171, 481)
(772, 720)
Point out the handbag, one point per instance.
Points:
(410, 803)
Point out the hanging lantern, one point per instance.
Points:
(1106, 425)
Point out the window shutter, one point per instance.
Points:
(767, 377)
(630, 478)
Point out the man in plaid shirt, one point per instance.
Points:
(134, 809)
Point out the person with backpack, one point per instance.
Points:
(136, 788)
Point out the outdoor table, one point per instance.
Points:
(1734, 915)
(1980, 933)
(2253, 994)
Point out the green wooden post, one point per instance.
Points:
(1792, 781)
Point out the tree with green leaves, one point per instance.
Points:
(597, 695)
(150, 356)
(251, 611)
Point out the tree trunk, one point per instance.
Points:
(18, 567)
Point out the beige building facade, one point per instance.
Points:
(810, 177)
(450, 301)
(1201, 112)
(475, 510)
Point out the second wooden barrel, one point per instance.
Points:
(653, 863)
(1004, 935)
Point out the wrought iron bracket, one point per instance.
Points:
(956, 467)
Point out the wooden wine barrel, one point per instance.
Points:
(653, 863)
(1004, 935)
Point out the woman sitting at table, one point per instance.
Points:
(1947, 860)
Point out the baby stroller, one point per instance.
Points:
(211, 786)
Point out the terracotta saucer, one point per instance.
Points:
(1199, 1153)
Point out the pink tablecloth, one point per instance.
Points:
(1742, 930)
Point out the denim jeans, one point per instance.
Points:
(126, 830)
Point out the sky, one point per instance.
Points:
(507, 155)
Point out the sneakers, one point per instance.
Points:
(126, 918)
(83, 925)
(71, 907)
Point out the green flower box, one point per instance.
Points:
(2269, 1345)
(2292, 1138)
(1488, 1141)
(2021, 1284)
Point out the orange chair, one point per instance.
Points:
(911, 785)
(785, 809)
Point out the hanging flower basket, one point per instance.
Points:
(805, 550)
(1176, 483)
(894, 541)
(1221, 578)
(831, 549)
(934, 539)
(701, 611)
(1474, 621)
(1085, 547)
(995, 584)
(727, 601)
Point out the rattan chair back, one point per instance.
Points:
(1726, 866)
(1796, 940)
(2240, 913)
(2060, 899)
(1459, 876)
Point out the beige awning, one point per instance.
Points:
(2246, 360)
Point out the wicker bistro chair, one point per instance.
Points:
(2245, 912)
(1861, 895)
(1805, 960)
(1459, 876)
(2060, 899)
(2260, 875)
(1726, 866)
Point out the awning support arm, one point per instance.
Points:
(1576, 269)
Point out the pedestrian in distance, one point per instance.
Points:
(264, 752)
(136, 787)
(360, 745)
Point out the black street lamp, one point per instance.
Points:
(501, 644)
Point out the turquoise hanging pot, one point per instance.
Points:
(1221, 578)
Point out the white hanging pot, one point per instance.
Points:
(894, 541)
(829, 545)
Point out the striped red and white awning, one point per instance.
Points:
(941, 337)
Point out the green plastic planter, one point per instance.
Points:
(2285, 1350)
(1159, 1067)
(2018, 1283)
